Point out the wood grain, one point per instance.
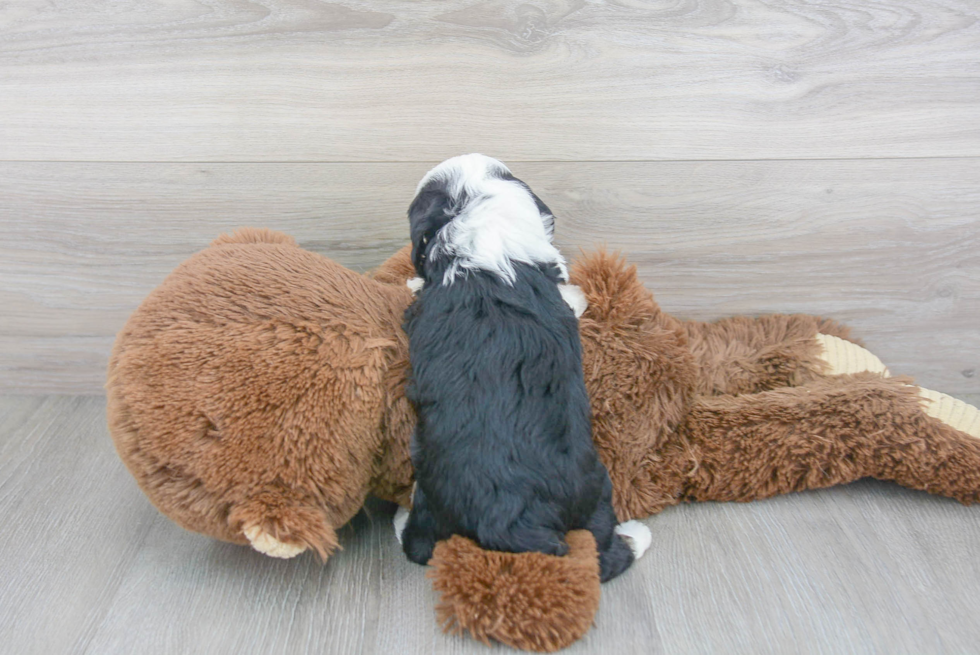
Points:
(890, 247)
(363, 80)
(88, 566)
(750, 156)
(73, 521)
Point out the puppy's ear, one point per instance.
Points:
(543, 209)
(429, 212)
(546, 215)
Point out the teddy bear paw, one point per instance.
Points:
(843, 357)
(400, 521)
(951, 411)
(269, 545)
(636, 535)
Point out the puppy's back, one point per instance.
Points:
(504, 429)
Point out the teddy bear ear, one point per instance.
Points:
(254, 235)
(397, 269)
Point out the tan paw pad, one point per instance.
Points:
(844, 357)
(269, 545)
(954, 413)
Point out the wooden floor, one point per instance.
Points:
(87, 565)
(750, 156)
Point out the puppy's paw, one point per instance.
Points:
(636, 535)
(415, 284)
(268, 545)
(400, 521)
(574, 298)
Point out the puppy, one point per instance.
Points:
(503, 449)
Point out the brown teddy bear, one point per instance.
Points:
(257, 396)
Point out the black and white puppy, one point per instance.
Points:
(503, 450)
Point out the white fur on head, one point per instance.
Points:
(497, 221)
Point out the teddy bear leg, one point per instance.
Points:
(844, 357)
(953, 412)
(279, 525)
(831, 431)
(938, 448)
(747, 355)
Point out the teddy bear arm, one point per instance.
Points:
(394, 476)
(278, 523)
(747, 355)
(830, 431)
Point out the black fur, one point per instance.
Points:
(503, 450)
(429, 212)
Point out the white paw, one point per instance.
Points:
(574, 298)
(951, 411)
(400, 521)
(844, 357)
(415, 284)
(269, 545)
(636, 535)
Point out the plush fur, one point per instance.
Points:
(502, 450)
(263, 385)
(558, 597)
(263, 404)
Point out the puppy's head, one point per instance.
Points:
(470, 213)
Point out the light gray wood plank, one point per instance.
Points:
(86, 565)
(15, 412)
(187, 594)
(628, 618)
(866, 568)
(408, 605)
(366, 80)
(73, 520)
(889, 247)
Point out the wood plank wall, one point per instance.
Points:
(750, 156)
